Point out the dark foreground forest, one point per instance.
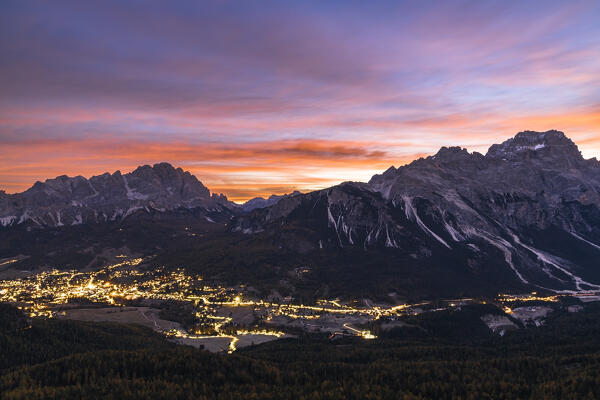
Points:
(59, 359)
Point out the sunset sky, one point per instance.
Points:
(258, 97)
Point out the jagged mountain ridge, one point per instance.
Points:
(108, 197)
(528, 211)
(261, 202)
(532, 201)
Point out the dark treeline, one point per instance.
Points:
(66, 359)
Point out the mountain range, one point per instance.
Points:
(527, 213)
(108, 197)
(532, 201)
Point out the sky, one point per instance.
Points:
(261, 97)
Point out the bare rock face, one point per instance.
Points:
(531, 201)
(108, 197)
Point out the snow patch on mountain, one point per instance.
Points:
(555, 261)
(584, 240)
(411, 213)
(132, 194)
(503, 246)
(6, 221)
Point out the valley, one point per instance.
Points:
(315, 200)
(190, 311)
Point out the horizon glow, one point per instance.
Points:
(259, 100)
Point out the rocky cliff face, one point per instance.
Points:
(71, 201)
(532, 201)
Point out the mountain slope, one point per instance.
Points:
(261, 202)
(532, 202)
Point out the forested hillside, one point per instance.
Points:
(61, 359)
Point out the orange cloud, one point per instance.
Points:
(241, 171)
(260, 168)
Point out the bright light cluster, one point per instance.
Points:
(44, 293)
(113, 285)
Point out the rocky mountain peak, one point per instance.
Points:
(454, 155)
(451, 152)
(506, 208)
(260, 202)
(164, 178)
(550, 146)
(108, 197)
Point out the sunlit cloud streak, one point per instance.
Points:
(240, 170)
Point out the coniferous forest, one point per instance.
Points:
(450, 359)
